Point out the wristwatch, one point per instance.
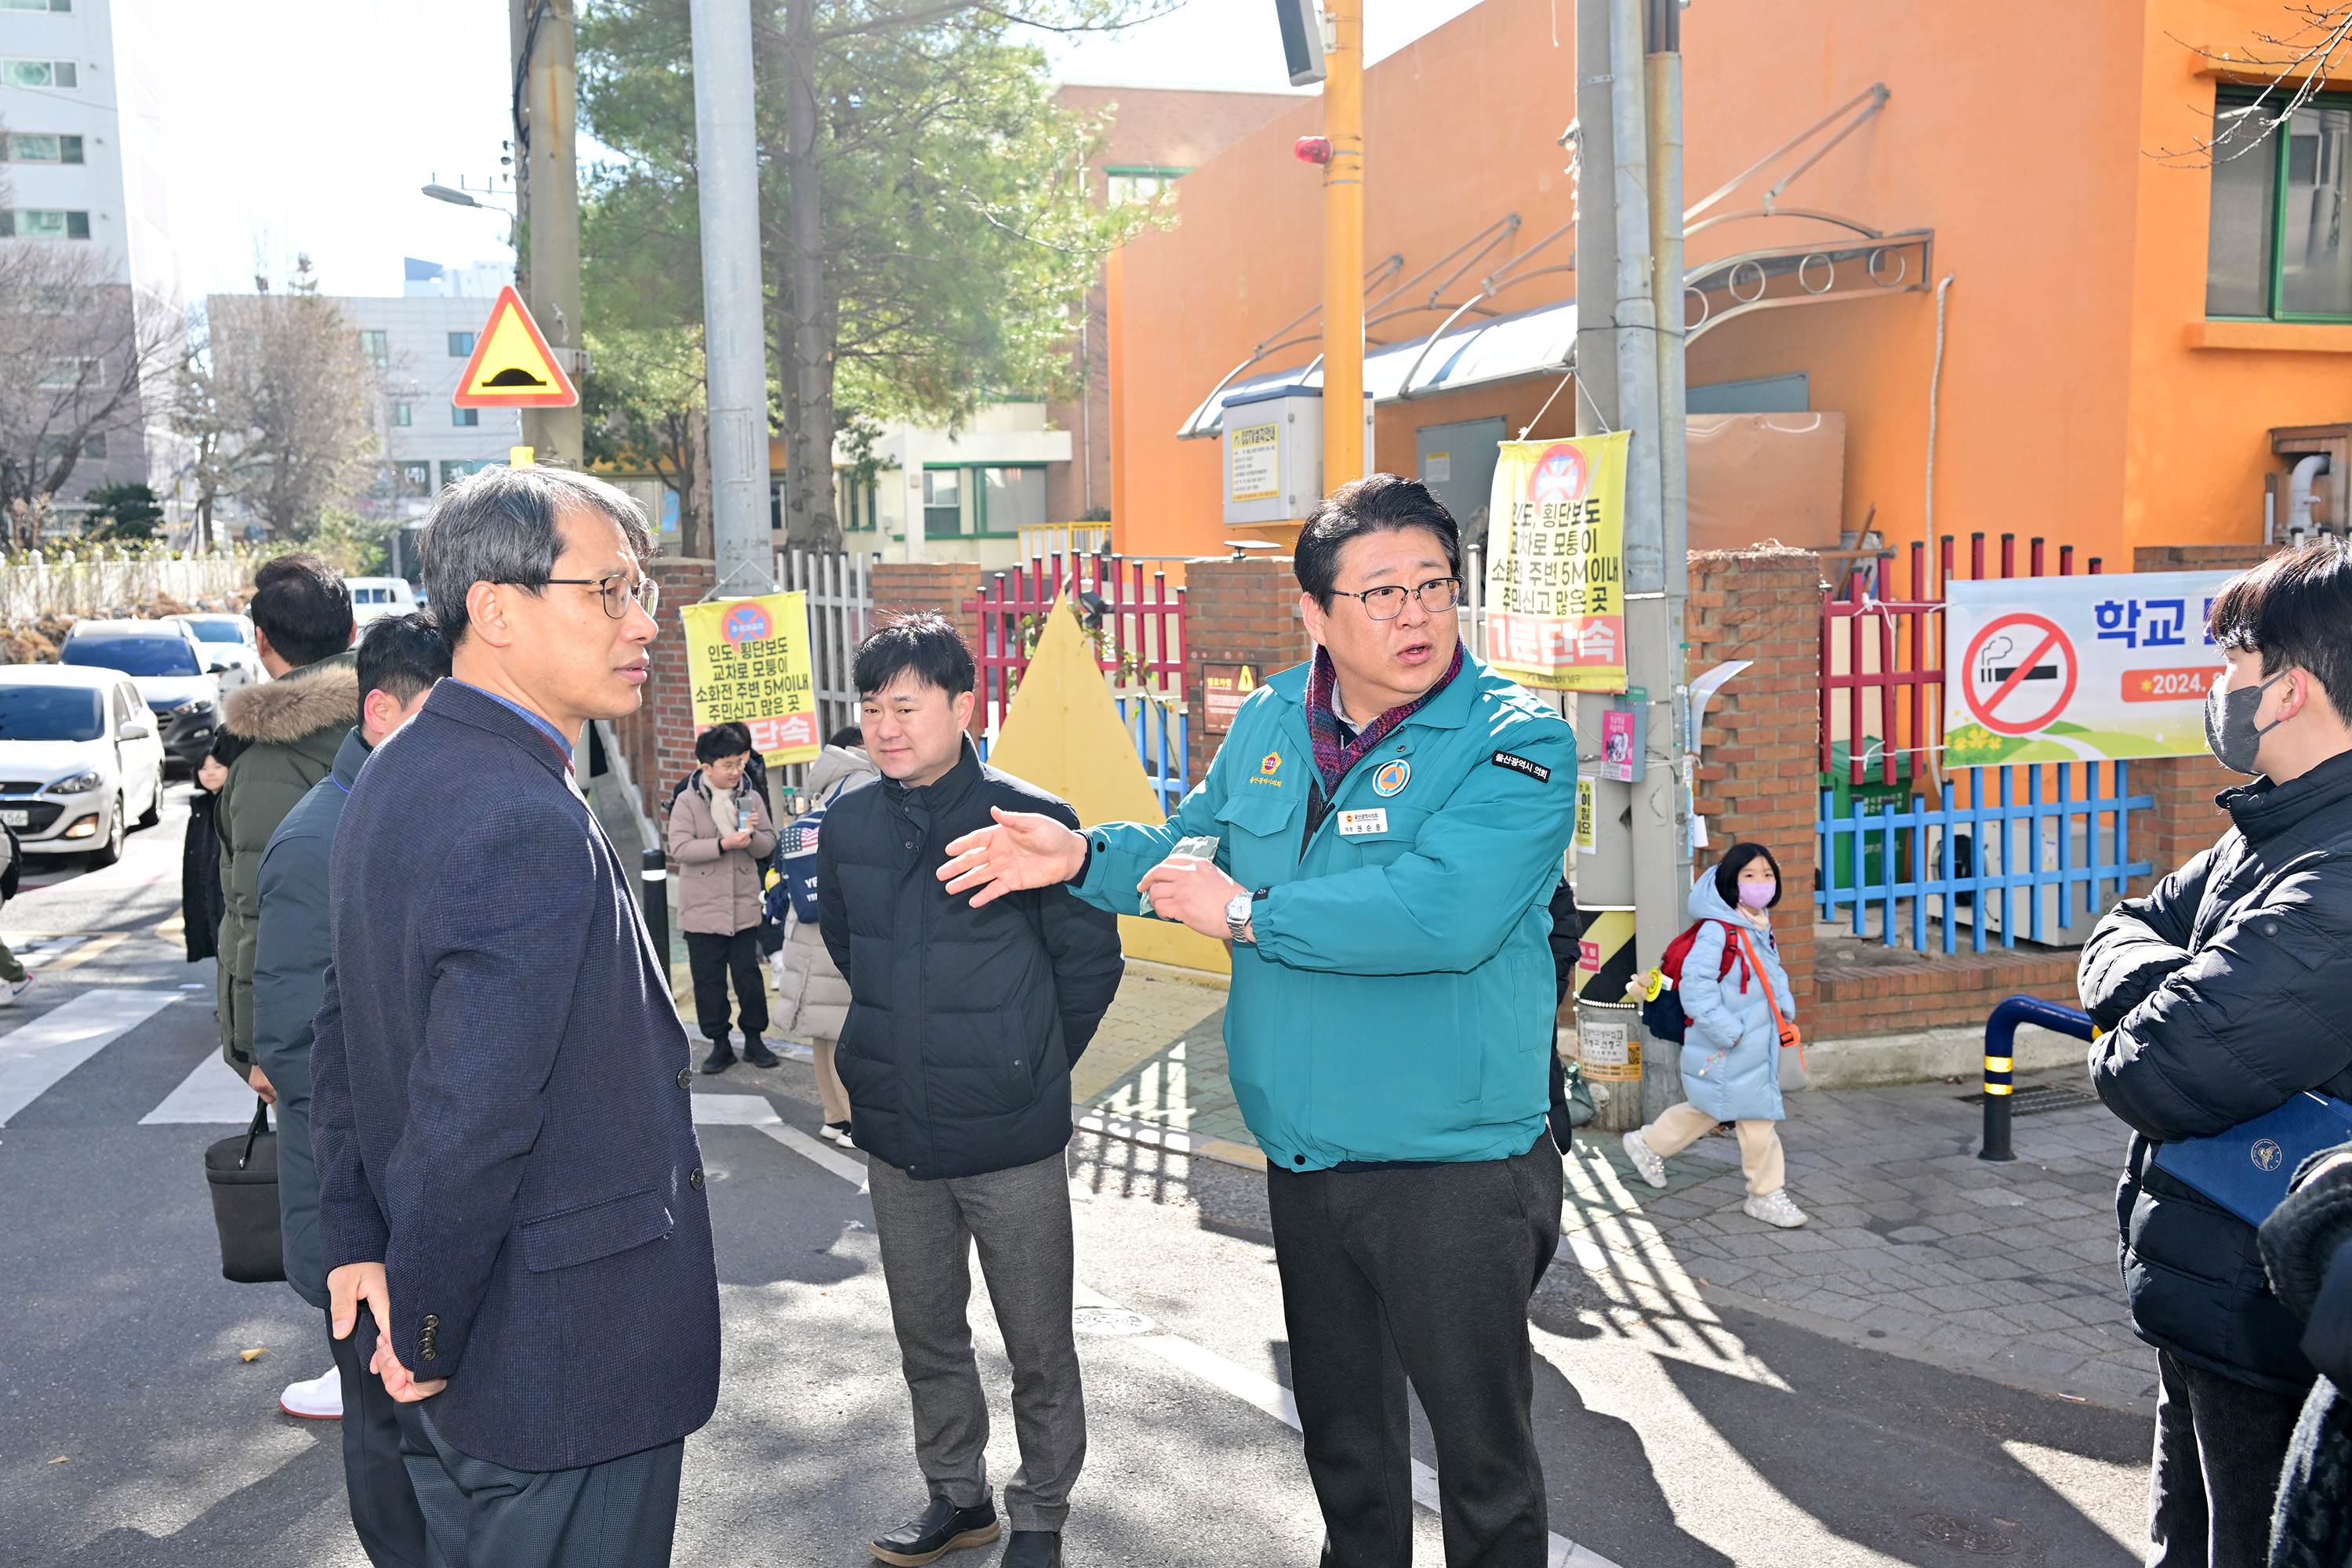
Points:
(1237, 912)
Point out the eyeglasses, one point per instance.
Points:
(616, 591)
(1437, 595)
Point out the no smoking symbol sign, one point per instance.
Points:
(2019, 675)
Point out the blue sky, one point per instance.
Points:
(329, 161)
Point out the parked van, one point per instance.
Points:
(376, 597)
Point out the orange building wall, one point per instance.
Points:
(2071, 403)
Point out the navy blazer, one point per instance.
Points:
(499, 1107)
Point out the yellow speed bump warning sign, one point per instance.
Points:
(512, 366)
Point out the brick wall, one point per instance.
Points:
(1236, 612)
(1938, 993)
(1759, 745)
(944, 586)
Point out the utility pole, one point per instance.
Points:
(1630, 373)
(1343, 245)
(548, 173)
(1655, 629)
(734, 347)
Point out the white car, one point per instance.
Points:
(78, 759)
(372, 599)
(228, 640)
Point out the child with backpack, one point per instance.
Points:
(1737, 1008)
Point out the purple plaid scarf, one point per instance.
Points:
(1332, 759)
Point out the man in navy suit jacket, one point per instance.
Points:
(508, 1177)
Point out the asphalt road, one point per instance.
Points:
(133, 1432)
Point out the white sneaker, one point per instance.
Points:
(838, 1133)
(1645, 1160)
(12, 989)
(320, 1399)
(1775, 1207)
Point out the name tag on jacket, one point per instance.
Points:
(1354, 823)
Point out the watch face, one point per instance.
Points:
(1238, 907)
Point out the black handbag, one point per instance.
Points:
(243, 1171)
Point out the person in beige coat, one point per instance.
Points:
(720, 838)
(811, 996)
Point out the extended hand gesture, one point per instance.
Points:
(1023, 850)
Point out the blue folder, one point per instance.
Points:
(2246, 1170)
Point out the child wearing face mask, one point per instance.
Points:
(1738, 1017)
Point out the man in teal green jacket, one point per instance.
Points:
(1391, 821)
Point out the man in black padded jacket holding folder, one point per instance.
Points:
(2221, 994)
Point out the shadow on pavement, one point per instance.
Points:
(252, 1524)
(1909, 1459)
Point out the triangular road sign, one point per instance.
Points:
(512, 366)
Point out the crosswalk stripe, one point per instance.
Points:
(38, 1054)
(210, 1093)
(1230, 1377)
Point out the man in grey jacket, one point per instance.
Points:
(399, 660)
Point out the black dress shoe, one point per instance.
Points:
(721, 1058)
(937, 1531)
(1033, 1549)
(757, 1053)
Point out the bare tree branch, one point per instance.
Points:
(2299, 66)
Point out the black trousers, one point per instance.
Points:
(1419, 1274)
(712, 958)
(621, 1514)
(2221, 1446)
(390, 1527)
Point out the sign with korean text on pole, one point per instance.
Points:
(748, 660)
(2068, 669)
(1556, 563)
(512, 367)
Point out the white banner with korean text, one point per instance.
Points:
(2068, 669)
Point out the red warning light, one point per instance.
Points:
(1313, 150)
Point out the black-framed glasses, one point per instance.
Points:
(1437, 595)
(616, 591)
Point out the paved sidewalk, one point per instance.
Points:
(1160, 1058)
(1915, 1246)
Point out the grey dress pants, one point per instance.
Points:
(1021, 1219)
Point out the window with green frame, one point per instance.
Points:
(982, 500)
(2277, 247)
(1138, 182)
(856, 505)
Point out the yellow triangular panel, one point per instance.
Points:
(1063, 733)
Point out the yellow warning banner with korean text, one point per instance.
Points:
(1556, 563)
(748, 660)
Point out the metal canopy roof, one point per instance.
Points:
(1498, 349)
(1543, 341)
(1862, 263)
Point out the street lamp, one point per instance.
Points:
(451, 195)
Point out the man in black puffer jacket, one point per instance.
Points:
(2222, 993)
(963, 1024)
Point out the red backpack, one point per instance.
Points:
(1662, 1005)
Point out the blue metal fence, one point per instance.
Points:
(1158, 728)
(1982, 856)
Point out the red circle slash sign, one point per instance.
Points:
(2041, 638)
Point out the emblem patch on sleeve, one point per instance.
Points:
(1519, 764)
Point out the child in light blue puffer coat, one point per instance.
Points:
(1731, 1044)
